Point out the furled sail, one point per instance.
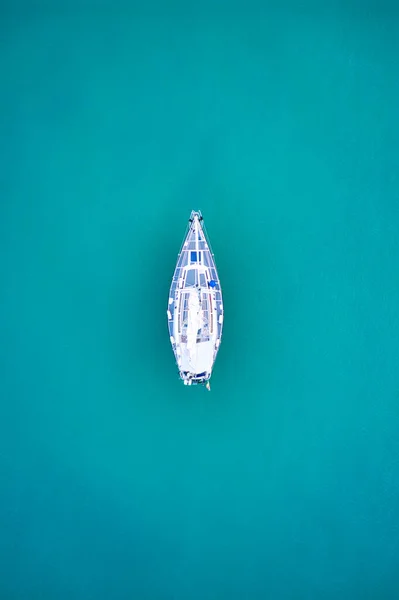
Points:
(194, 323)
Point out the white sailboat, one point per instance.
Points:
(195, 307)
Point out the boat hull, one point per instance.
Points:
(195, 306)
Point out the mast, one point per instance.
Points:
(196, 248)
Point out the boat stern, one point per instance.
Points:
(195, 378)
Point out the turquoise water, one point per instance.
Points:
(116, 481)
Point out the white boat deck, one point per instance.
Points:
(195, 310)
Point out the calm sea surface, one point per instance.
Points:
(282, 127)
